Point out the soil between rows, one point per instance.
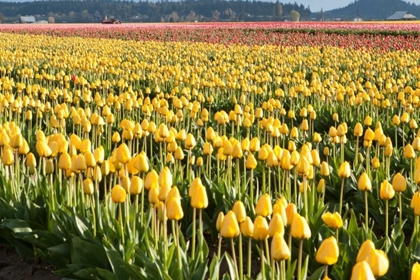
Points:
(12, 267)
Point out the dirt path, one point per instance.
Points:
(12, 267)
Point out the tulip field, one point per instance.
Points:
(212, 151)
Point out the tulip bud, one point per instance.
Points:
(386, 191)
(49, 167)
(116, 138)
(199, 197)
(362, 271)
(375, 163)
(291, 210)
(260, 228)
(399, 183)
(99, 154)
(409, 152)
(123, 154)
(300, 228)
(264, 207)
(364, 183)
(303, 166)
(251, 162)
(344, 171)
(358, 130)
(239, 210)
(174, 209)
(230, 227)
(118, 194)
(136, 185)
(154, 195)
(276, 225)
(325, 169)
(190, 141)
(247, 227)
(332, 220)
(279, 248)
(328, 252)
(415, 271)
(142, 164)
(8, 157)
(88, 186)
(151, 180)
(31, 163)
(219, 221)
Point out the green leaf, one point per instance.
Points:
(17, 225)
(87, 253)
(201, 272)
(231, 265)
(304, 272)
(317, 274)
(215, 267)
(121, 268)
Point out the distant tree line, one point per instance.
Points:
(162, 11)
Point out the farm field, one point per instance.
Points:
(212, 151)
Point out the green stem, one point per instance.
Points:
(341, 195)
(400, 208)
(234, 257)
(241, 264)
(366, 209)
(299, 271)
(193, 233)
(219, 247)
(386, 223)
(249, 257)
(262, 260)
(200, 234)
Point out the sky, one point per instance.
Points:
(316, 5)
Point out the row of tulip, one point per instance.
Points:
(127, 149)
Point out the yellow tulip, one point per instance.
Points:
(300, 228)
(362, 271)
(386, 191)
(365, 251)
(260, 228)
(415, 271)
(364, 183)
(154, 195)
(344, 171)
(151, 180)
(230, 227)
(247, 227)
(399, 183)
(358, 130)
(409, 152)
(279, 248)
(199, 198)
(276, 225)
(190, 141)
(264, 206)
(303, 166)
(88, 186)
(325, 169)
(332, 220)
(174, 209)
(328, 252)
(251, 162)
(239, 210)
(219, 221)
(136, 185)
(118, 194)
(123, 154)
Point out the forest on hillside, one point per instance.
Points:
(163, 11)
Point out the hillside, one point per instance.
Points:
(371, 9)
(148, 11)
